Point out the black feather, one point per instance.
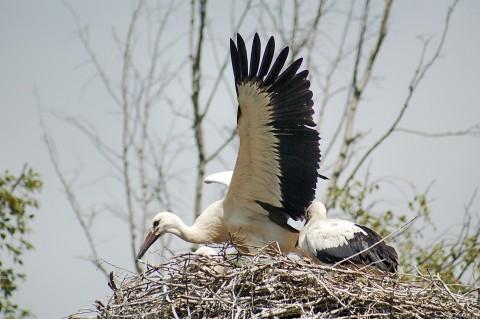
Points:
(276, 67)
(277, 215)
(301, 75)
(267, 58)
(380, 255)
(242, 56)
(255, 56)
(235, 66)
(288, 73)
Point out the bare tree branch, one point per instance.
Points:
(196, 55)
(326, 95)
(221, 147)
(72, 199)
(226, 60)
(358, 86)
(146, 116)
(84, 38)
(88, 130)
(473, 130)
(126, 132)
(416, 80)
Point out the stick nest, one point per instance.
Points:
(268, 285)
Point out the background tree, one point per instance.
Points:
(17, 203)
(172, 106)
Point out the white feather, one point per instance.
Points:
(219, 178)
(257, 169)
(321, 234)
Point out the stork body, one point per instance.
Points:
(332, 241)
(275, 173)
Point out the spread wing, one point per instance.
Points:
(276, 168)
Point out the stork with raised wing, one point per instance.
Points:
(275, 173)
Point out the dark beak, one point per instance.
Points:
(149, 240)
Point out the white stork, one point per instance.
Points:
(275, 174)
(334, 241)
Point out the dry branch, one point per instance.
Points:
(418, 76)
(196, 57)
(359, 84)
(72, 199)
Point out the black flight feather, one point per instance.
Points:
(235, 66)
(242, 56)
(267, 58)
(277, 67)
(255, 56)
(288, 73)
(381, 255)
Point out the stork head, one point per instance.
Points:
(316, 210)
(162, 223)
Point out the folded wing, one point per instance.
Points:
(333, 241)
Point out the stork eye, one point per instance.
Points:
(155, 223)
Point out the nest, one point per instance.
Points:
(266, 285)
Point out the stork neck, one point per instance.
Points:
(191, 234)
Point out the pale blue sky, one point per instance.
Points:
(38, 48)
